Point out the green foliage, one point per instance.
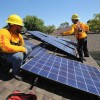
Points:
(50, 29)
(64, 25)
(94, 23)
(33, 23)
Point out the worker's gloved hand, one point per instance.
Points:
(61, 33)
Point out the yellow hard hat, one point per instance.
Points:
(15, 19)
(75, 16)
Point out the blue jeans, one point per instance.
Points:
(16, 59)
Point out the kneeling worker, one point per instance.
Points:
(80, 30)
(12, 44)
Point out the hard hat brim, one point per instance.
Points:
(76, 18)
(15, 23)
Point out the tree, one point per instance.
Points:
(97, 16)
(64, 25)
(33, 23)
(50, 29)
(94, 23)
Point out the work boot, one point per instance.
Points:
(18, 77)
(81, 60)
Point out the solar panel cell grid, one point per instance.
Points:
(61, 47)
(54, 43)
(30, 44)
(67, 44)
(60, 40)
(68, 40)
(38, 51)
(38, 34)
(67, 72)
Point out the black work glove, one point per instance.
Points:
(61, 33)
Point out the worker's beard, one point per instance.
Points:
(18, 31)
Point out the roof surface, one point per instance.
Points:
(45, 89)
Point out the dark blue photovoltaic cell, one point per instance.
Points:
(38, 35)
(30, 44)
(46, 38)
(65, 71)
(38, 51)
(68, 43)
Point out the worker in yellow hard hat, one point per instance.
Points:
(15, 19)
(12, 44)
(80, 30)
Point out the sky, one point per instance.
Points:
(52, 12)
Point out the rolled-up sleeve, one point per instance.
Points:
(70, 31)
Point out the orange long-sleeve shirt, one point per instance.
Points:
(5, 42)
(74, 29)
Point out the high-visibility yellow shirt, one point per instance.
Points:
(74, 29)
(7, 39)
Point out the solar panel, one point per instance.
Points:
(43, 34)
(61, 47)
(30, 44)
(54, 43)
(67, 40)
(66, 43)
(38, 35)
(67, 72)
(38, 51)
